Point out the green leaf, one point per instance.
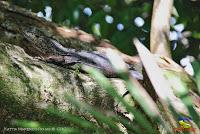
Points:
(98, 115)
(196, 35)
(196, 67)
(74, 119)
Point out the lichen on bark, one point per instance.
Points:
(28, 85)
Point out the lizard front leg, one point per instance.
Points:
(61, 60)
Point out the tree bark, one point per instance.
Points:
(28, 86)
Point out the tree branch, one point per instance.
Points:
(160, 27)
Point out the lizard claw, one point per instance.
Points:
(38, 58)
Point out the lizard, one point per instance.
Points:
(69, 56)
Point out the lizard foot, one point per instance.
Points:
(38, 58)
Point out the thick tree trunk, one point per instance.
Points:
(28, 86)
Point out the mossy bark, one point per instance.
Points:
(28, 86)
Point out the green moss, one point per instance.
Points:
(3, 55)
(14, 79)
(15, 71)
(8, 100)
(77, 68)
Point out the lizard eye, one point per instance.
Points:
(50, 59)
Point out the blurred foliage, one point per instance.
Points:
(71, 13)
(196, 66)
(188, 12)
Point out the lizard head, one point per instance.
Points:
(55, 59)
